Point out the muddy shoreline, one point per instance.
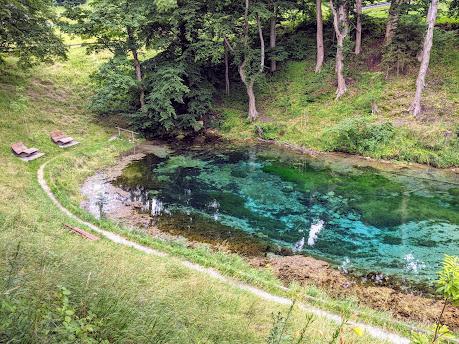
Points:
(116, 205)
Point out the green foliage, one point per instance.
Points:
(178, 96)
(444, 333)
(115, 87)
(280, 333)
(295, 46)
(26, 31)
(448, 288)
(270, 131)
(71, 328)
(358, 135)
(401, 54)
(442, 41)
(448, 281)
(168, 90)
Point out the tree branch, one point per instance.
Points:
(228, 44)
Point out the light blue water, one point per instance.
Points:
(358, 218)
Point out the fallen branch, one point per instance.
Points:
(82, 233)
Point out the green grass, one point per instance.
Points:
(114, 293)
(65, 175)
(300, 108)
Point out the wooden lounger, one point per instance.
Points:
(82, 233)
(62, 140)
(21, 151)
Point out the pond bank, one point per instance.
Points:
(306, 270)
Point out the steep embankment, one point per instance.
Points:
(298, 106)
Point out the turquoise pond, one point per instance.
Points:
(397, 222)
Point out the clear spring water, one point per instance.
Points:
(359, 218)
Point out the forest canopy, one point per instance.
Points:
(171, 59)
(27, 31)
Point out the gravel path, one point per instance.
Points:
(373, 331)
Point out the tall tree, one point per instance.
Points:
(341, 25)
(319, 36)
(415, 108)
(393, 20)
(26, 31)
(227, 78)
(250, 66)
(273, 34)
(358, 26)
(117, 26)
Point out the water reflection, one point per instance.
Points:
(356, 217)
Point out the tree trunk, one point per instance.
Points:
(319, 36)
(138, 76)
(262, 46)
(358, 26)
(137, 66)
(253, 113)
(341, 30)
(392, 20)
(272, 40)
(249, 80)
(341, 88)
(227, 80)
(415, 108)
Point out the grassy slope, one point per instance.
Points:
(301, 109)
(135, 297)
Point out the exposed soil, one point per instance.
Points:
(403, 304)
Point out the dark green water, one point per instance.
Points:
(359, 218)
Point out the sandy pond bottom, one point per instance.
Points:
(384, 223)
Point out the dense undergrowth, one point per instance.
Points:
(298, 105)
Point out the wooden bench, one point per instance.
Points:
(21, 151)
(62, 140)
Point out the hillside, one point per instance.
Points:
(298, 105)
(57, 287)
(167, 85)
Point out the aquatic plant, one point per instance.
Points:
(179, 161)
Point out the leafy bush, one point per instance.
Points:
(443, 40)
(359, 135)
(178, 95)
(69, 327)
(115, 87)
(448, 288)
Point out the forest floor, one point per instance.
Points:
(55, 285)
(298, 107)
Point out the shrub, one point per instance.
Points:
(358, 135)
(448, 288)
(114, 87)
(296, 46)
